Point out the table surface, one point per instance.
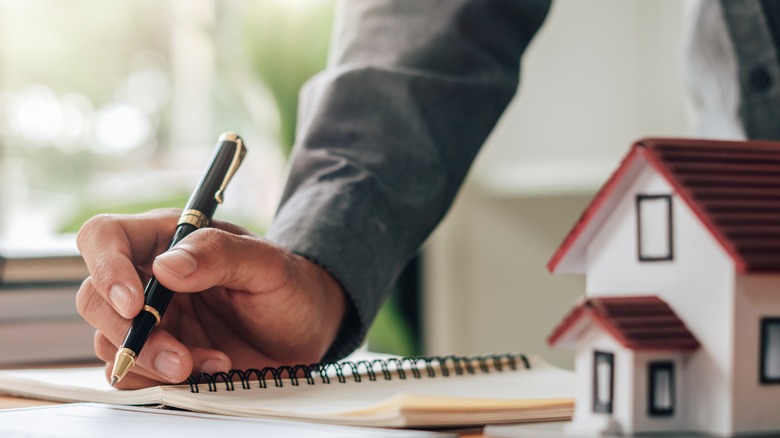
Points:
(16, 402)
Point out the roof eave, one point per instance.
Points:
(569, 257)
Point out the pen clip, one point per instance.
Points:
(238, 156)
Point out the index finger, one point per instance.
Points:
(114, 245)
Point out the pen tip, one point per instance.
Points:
(125, 359)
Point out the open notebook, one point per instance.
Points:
(427, 392)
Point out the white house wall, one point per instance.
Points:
(585, 420)
(758, 405)
(698, 285)
(643, 422)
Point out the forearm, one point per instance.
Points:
(387, 134)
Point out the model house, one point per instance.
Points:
(679, 329)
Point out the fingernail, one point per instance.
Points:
(121, 298)
(177, 262)
(212, 366)
(168, 363)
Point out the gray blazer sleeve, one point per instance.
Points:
(387, 132)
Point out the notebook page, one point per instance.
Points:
(89, 384)
(72, 384)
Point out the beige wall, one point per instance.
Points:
(600, 74)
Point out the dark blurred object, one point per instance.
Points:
(39, 322)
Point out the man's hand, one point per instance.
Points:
(244, 302)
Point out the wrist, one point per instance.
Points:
(330, 300)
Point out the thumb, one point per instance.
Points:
(212, 257)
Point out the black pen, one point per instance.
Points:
(196, 214)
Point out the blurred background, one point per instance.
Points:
(116, 106)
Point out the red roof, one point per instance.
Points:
(638, 323)
(733, 188)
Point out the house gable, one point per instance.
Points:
(731, 187)
(680, 262)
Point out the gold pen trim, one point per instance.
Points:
(193, 217)
(154, 313)
(125, 359)
(228, 136)
(238, 157)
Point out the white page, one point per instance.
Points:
(99, 421)
(72, 384)
(89, 384)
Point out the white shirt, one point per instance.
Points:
(711, 72)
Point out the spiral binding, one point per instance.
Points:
(358, 370)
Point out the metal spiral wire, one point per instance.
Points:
(389, 368)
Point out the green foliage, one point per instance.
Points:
(285, 46)
(87, 212)
(390, 333)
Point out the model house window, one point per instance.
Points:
(603, 378)
(654, 227)
(661, 388)
(770, 350)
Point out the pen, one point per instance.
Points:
(196, 214)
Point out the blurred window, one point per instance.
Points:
(116, 106)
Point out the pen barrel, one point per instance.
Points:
(207, 193)
(156, 300)
(156, 295)
(139, 331)
(182, 230)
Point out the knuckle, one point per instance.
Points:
(279, 269)
(91, 305)
(213, 238)
(210, 242)
(99, 283)
(89, 228)
(232, 228)
(85, 297)
(99, 219)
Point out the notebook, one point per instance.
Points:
(390, 392)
